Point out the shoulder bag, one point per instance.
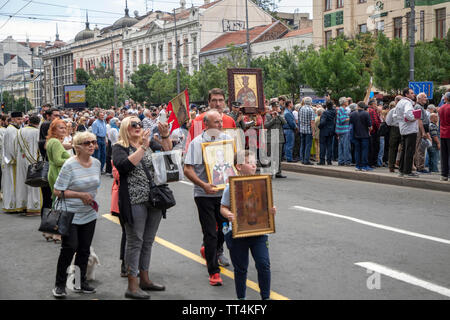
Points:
(57, 220)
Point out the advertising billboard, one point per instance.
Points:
(75, 96)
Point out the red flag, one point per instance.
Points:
(178, 110)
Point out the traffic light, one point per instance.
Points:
(31, 73)
(3, 107)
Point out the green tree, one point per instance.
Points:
(203, 80)
(140, 79)
(336, 70)
(101, 93)
(161, 89)
(82, 76)
(391, 65)
(101, 73)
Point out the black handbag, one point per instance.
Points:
(37, 174)
(57, 220)
(172, 169)
(161, 197)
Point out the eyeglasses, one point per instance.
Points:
(135, 124)
(88, 143)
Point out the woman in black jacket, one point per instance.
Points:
(132, 156)
(327, 128)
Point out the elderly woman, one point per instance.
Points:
(132, 156)
(79, 180)
(56, 153)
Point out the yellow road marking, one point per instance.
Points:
(199, 259)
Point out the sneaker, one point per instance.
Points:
(424, 171)
(358, 168)
(367, 168)
(85, 288)
(223, 261)
(215, 279)
(413, 175)
(444, 178)
(401, 175)
(202, 252)
(59, 292)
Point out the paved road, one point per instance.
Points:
(324, 226)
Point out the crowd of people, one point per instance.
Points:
(82, 145)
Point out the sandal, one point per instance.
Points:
(47, 236)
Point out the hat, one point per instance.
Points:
(236, 104)
(16, 114)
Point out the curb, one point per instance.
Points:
(368, 177)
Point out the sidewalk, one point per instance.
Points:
(378, 175)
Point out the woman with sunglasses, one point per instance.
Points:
(79, 180)
(130, 153)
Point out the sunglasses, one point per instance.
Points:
(88, 143)
(135, 124)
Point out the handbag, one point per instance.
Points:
(168, 167)
(37, 174)
(161, 197)
(57, 220)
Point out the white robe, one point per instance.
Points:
(2, 133)
(9, 170)
(27, 153)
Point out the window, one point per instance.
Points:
(154, 53)
(134, 58)
(440, 23)
(327, 5)
(169, 51)
(380, 26)
(340, 4)
(362, 28)
(422, 25)
(398, 27)
(147, 55)
(185, 48)
(362, 1)
(194, 44)
(327, 37)
(141, 56)
(339, 32)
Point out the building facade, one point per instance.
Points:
(350, 17)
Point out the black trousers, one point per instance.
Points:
(407, 154)
(374, 149)
(445, 157)
(211, 222)
(123, 240)
(78, 241)
(326, 146)
(394, 141)
(108, 157)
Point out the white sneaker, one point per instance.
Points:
(444, 178)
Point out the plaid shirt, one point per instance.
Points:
(305, 116)
(375, 119)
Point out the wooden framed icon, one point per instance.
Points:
(245, 85)
(251, 201)
(219, 162)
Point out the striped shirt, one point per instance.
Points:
(342, 121)
(73, 176)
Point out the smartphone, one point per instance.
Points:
(94, 205)
(163, 117)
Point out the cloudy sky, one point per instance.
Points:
(37, 19)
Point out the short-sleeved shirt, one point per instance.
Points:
(73, 176)
(194, 157)
(434, 132)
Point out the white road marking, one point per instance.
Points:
(404, 277)
(371, 224)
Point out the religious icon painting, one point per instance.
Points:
(251, 201)
(246, 86)
(219, 162)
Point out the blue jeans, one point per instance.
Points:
(361, 152)
(100, 153)
(259, 247)
(433, 154)
(345, 156)
(381, 152)
(289, 144)
(305, 147)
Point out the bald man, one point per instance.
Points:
(206, 196)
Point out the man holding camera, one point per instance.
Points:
(274, 124)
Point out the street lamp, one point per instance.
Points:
(113, 68)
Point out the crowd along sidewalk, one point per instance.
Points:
(378, 175)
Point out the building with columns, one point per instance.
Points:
(350, 17)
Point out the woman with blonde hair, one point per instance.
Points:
(82, 124)
(78, 182)
(132, 158)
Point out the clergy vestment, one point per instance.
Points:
(9, 170)
(2, 133)
(27, 153)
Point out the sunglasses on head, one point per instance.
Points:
(87, 143)
(135, 124)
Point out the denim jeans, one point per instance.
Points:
(305, 147)
(100, 153)
(433, 159)
(361, 152)
(381, 152)
(259, 248)
(289, 144)
(345, 156)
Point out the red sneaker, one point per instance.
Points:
(215, 279)
(202, 252)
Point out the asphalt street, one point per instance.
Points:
(328, 233)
